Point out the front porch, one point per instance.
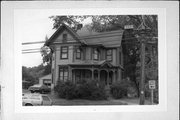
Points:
(105, 73)
(104, 76)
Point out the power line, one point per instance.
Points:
(38, 42)
(125, 42)
(31, 52)
(31, 49)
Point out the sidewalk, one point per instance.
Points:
(134, 101)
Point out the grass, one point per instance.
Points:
(63, 102)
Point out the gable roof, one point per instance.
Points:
(85, 36)
(59, 31)
(101, 63)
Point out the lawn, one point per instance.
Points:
(63, 102)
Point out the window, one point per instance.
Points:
(64, 52)
(64, 37)
(95, 54)
(78, 53)
(109, 55)
(63, 74)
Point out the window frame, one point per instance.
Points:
(64, 52)
(63, 77)
(64, 37)
(111, 55)
(95, 54)
(78, 53)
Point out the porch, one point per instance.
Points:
(105, 73)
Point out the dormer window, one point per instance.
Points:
(109, 54)
(64, 37)
(95, 54)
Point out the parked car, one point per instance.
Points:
(36, 100)
(39, 88)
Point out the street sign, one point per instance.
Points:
(128, 26)
(152, 84)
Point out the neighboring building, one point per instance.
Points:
(85, 55)
(46, 80)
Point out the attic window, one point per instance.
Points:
(64, 37)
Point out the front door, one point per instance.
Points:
(103, 77)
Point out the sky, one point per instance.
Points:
(32, 26)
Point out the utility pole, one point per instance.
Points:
(142, 96)
(142, 31)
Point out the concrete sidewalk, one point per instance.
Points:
(134, 101)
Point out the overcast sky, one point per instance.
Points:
(33, 26)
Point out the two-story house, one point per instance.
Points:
(85, 55)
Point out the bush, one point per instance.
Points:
(65, 89)
(83, 90)
(119, 89)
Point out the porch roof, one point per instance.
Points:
(95, 63)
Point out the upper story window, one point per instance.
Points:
(64, 52)
(109, 54)
(64, 37)
(78, 53)
(95, 54)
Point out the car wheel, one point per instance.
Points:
(28, 104)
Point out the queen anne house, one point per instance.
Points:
(86, 55)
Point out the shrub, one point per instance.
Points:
(119, 89)
(83, 90)
(91, 89)
(65, 89)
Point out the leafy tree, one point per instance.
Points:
(32, 74)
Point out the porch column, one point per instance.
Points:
(70, 73)
(108, 78)
(98, 75)
(118, 75)
(92, 73)
(114, 78)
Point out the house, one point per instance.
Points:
(86, 55)
(46, 80)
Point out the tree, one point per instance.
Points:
(31, 75)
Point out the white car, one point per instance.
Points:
(36, 100)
